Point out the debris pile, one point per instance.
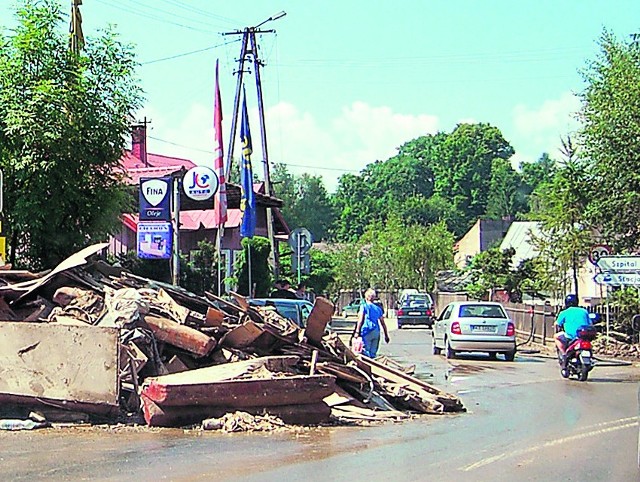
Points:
(89, 338)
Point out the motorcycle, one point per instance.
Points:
(579, 355)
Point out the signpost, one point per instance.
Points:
(300, 241)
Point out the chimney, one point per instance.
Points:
(139, 141)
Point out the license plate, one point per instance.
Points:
(414, 313)
(483, 328)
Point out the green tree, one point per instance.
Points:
(391, 256)
(566, 232)
(63, 124)
(258, 248)
(611, 139)
(493, 270)
(306, 201)
(505, 198)
(463, 171)
(536, 175)
(322, 271)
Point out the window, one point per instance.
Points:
(482, 311)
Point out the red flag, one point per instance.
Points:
(220, 206)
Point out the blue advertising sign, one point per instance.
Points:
(154, 199)
(154, 240)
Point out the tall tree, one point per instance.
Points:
(64, 118)
(611, 138)
(306, 201)
(505, 198)
(565, 223)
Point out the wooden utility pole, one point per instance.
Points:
(76, 38)
(249, 52)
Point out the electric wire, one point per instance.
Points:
(192, 52)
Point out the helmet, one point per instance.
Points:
(571, 300)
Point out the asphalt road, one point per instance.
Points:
(524, 422)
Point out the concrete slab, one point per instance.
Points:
(59, 363)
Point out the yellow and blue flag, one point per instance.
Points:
(248, 200)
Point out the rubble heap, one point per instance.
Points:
(89, 338)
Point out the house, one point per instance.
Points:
(519, 237)
(196, 223)
(484, 234)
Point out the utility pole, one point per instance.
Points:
(76, 38)
(248, 49)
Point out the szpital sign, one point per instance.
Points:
(200, 183)
(154, 199)
(617, 264)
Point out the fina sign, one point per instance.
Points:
(200, 183)
(154, 199)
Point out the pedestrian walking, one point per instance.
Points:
(370, 319)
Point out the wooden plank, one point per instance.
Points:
(181, 336)
(242, 336)
(318, 318)
(214, 317)
(163, 416)
(265, 392)
(59, 363)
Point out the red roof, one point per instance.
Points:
(129, 161)
(157, 166)
(192, 220)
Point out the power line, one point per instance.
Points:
(176, 56)
(306, 166)
(144, 14)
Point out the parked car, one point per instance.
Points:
(415, 309)
(474, 327)
(296, 310)
(352, 308)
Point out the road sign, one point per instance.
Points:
(617, 264)
(300, 240)
(598, 252)
(618, 279)
(301, 264)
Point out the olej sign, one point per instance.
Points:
(154, 199)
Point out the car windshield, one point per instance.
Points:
(288, 311)
(417, 300)
(482, 311)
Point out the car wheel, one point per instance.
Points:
(399, 326)
(436, 350)
(509, 355)
(449, 352)
(493, 355)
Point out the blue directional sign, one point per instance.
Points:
(618, 279)
(617, 264)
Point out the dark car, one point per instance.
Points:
(415, 309)
(296, 310)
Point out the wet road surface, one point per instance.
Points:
(524, 422)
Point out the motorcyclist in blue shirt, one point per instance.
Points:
(569, 321)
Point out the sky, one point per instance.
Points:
(347, 82)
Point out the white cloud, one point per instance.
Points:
(540, 129)
(360, 134)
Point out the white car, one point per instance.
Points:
(474, 326)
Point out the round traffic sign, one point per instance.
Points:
(597, 252)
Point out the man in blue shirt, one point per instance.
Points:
(570, 320)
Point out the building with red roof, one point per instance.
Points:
(196, 224)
